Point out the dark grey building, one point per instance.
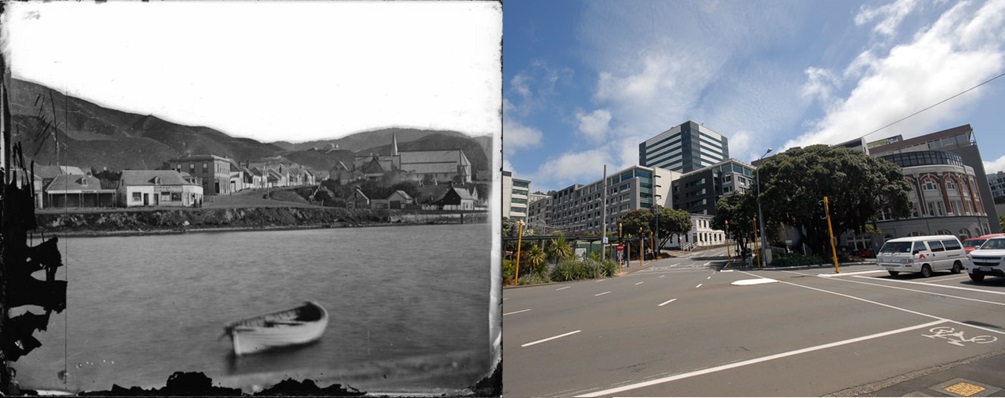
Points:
(697, 192)
(684, 148)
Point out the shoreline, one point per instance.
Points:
(151, 232)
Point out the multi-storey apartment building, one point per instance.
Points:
(697, 192)
(578, 208)
(684, 148)
(538, 211)
(997, 183)
(516, 196)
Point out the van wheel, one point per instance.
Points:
(957, 267)
(894, 273)
(977, 277)
(926, 271)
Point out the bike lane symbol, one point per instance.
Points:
(956, 337)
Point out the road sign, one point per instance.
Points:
(621, 247)
(605, 240)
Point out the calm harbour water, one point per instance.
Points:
(140, 308)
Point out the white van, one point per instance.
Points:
(922, 254)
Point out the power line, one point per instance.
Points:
(934, 105)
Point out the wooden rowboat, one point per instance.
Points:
(299, 325)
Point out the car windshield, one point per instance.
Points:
(994, 244)
(896, 247)
(973, 242)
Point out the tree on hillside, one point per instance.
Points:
(858, 188)
(739, 209)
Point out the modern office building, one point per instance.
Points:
(997, 183)
(538, 210)
(516, 196)
(947, 174)
(684, 148)
(697, 192)
(578, 208)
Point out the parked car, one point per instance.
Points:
(923, 254)
(989, 259)
(973, 243)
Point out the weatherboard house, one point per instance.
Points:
(214, 172)
(148, 188)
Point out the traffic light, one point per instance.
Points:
(822, 210)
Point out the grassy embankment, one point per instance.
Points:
(249, 210)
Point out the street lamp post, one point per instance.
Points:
(760, 216)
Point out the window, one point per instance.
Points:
(936, 246)
(930, 185)
(951, 244)
(137, 196)
(205, 167)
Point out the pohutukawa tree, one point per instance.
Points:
(672, 222)
(858, 188)
(739, 210)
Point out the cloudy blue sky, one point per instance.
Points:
(584, 82)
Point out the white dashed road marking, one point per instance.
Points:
(550, 338)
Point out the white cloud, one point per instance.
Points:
(595, 124)
(657, 75)
(516, 136)
(952, 55)
(573, 167)
(506, 165)
(819, 84)
(995, 165)
(890, 16)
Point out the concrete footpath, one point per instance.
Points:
(981, 376)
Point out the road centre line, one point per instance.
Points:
(563, 288)
(945, 286)
(516, 312)
(667, 302)
(640, 283)
(754, 361)
(601, 294)
(709, 277)
(550, 338)
(699, 285)
(922, 291)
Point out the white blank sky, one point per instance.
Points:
(271, 71)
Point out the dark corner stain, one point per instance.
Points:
(198, 384)
(491, 385)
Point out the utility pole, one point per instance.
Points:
(603, 216)
(830, 231)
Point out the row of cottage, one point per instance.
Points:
(183, 182)
(188, 179)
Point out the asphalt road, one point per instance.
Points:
(680, 328)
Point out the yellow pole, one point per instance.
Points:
(641, 248)
(827, 209)
(519, 238)
(757, 243)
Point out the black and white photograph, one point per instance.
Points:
(252, 198)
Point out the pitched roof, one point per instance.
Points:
(433, 161)
(146, 177)
(402, 194)
(75, 183)
(48, 171)
(190, 158)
